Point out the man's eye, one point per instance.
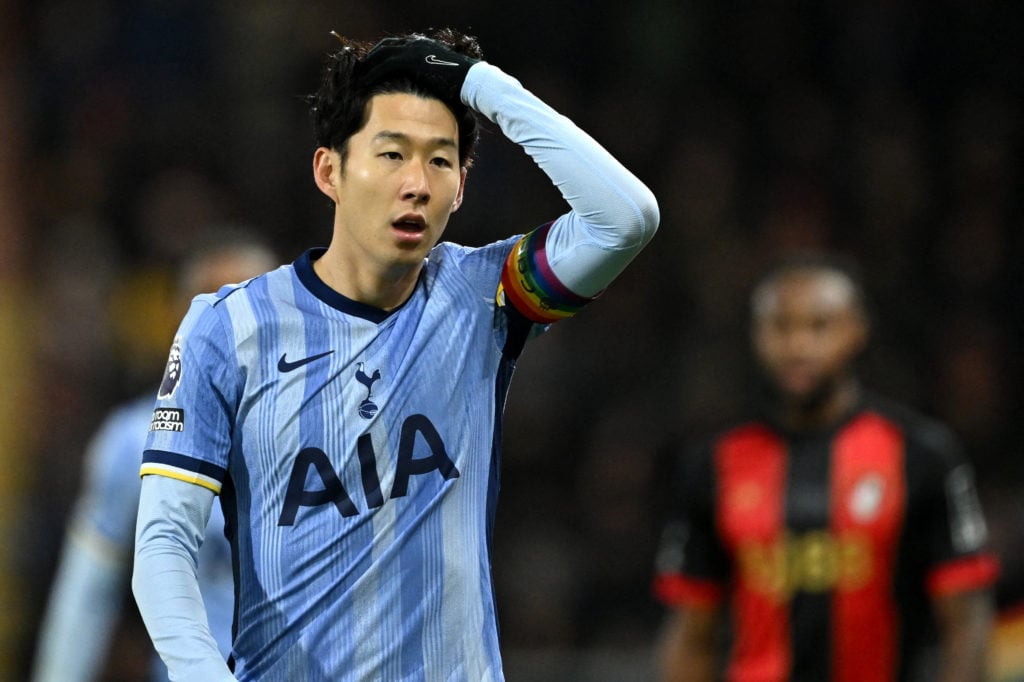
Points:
(442, 162)
(394, 156)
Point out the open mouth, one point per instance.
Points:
(412, 225)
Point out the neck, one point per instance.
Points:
(823, 413)
(385, 290)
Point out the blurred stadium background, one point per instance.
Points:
(888, 130)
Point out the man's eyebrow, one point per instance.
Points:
(402, 137)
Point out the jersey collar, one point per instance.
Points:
(307, 275)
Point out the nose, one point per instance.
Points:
(415, 183)
(797, 341)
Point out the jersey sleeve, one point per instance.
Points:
(692, 568)
(190, 430)
(954, 532)
(482, 268)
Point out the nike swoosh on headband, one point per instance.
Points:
(432, 59)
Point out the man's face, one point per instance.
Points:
(807, 329)
(400, 183)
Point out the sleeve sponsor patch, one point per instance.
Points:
(168, 419)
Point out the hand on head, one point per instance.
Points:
(426, 61)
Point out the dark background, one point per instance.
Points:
(889, 131)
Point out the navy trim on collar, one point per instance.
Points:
(307, 275)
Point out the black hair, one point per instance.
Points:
(820, 262)
(339, 108)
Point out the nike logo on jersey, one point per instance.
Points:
(432, 59)
(284, 366)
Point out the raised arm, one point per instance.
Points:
(613, 214)
(556, 269)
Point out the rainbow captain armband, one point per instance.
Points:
(530, 286)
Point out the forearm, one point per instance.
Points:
(81, 613)
(965, 625)
(686, 648)
(614, 214)
(172, 518)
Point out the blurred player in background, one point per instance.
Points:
(86, 598)
(348, 407)
(837, 529)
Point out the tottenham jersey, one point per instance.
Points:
(356, 455)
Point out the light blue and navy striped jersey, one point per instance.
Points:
(356, 453)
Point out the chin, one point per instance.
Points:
(808, 399)
(410, 254)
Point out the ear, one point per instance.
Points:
(326, 163)
(863, 335)
(462, 187)
(859, 335)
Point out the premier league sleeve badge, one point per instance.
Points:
(172, 374)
